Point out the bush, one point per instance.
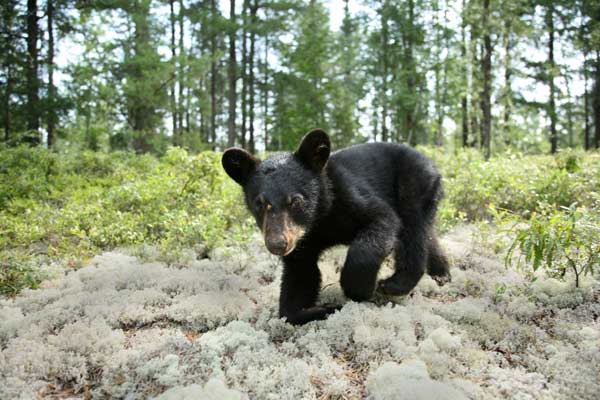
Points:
(514, 182)
(72, 206)
(560, 241)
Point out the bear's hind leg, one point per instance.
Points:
(437, 262)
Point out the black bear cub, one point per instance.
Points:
(378, 198)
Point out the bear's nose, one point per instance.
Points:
(277, 245)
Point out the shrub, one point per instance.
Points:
(74, 205)
(562, 240)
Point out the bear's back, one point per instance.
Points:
(390, 170)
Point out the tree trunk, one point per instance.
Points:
(231, 72)
(202, 115)
(445, 82)
(88, 130)
(213, 78)
(32, 87)
(253, 21)
(7, 95)
(188, 107)
(173, 81)
(569, 107)
(463, 101)
(140, 114)
(475, 83)
(8, 67)
(487, 83)
(266, 92)
(411, 82)
(51, 122)
(552, 104)
(245, 7)
(586, 105)
(384, 60)
(437, 72)
(596, 102)
(507, 81)
(181, 73)
(442, 88)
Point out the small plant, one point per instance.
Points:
(567, 239)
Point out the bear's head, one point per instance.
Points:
(284, 191)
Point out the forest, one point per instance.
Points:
(142, 75)
(131, 268)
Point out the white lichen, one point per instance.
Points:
(133, 327)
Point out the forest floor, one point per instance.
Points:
(128, 326)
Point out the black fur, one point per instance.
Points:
(377, 198)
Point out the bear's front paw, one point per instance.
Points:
(441, 280)
(315, 313)
(393, 288)
(330, 308)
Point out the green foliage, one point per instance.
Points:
(73, 206)
(514, 182)
(562, 240)
(551, 204)
(17, 272)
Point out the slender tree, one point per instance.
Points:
(596, 100)
(551, 72)
(172, 98)
(213, 76)
(51, 112)
(385, 69)
(486, 107)
(33, 114)
(465, 78)
(9, 57)
(251, 94)
(232, 75)
(586, 102)
(181, 70)
(244, 99)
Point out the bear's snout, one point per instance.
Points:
(277, 245)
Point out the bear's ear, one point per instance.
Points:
(314, 149)
(239, 164)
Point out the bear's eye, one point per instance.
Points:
(296, 201)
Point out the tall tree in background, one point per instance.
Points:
(8, 52)
(33, 82)
(251, 55)
(591, 10)
(213, 73)
(550, 70)
(406, 71)
(232, 75)
(474, 10)
(440, 70)
(464, 77)
(142, 67)
(385, 66)
(347, 82)
(51, 111)
(173, 85)
(181, 71)
(301, 96)
(486, 93)
(583, 41)
(508, 12)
